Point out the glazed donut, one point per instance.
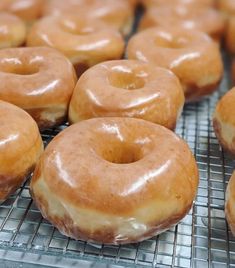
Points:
(226, 6)
(206, 20)
(12, 31)
(190, 54)
(230, 35)
(39, 80)
(224, 121)
(129, 180)
(229, 203)
(195, 3)
(27, 10)
(119, 14)
(128, 88)
(88, 41)
(20, 147)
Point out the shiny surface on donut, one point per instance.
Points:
(39, 80)
(128, 88)
(88, 41)
(115, 180)
(224, 121)
(191, 55)
(12, 30)
(20, 147)
(118, 14)
(206, 20)
(27, 10)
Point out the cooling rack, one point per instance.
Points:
(201, 239)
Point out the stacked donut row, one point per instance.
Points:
(118, 174)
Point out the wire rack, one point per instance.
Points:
(201, 239)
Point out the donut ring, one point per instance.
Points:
(229, 204)
(14, 33)
(27, 10)
(224, 121)
(207, 20)
(20, 147)
(128, 88)
(119, 14)
(127, 161)
(39, 80)
(190, 55)
(88, 41)
(189, 3)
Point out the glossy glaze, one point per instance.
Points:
(224, 121)
(128, 88)
(88, 41)
(39, 80)
(207, 20)
(191, 55)
(20, 147)
(127, 180)
(192, 3)
(118, 14)
(12, 31)
(230, 203)
(27, 10)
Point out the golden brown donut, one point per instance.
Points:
(27, 10)
(39, 80)
(224, 121)
(128, 88)
(12, 31)
(230, 203)
(116, 13)
(230, 35)
(207, 20)
(88, 41)
(20, 147)
(190, 54)
(128, 180)
(192, 3)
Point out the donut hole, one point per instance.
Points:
(126, 80)
(22, 70)
(77, 27)
(176, 43)
(122, 153)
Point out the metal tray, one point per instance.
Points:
(201, 239)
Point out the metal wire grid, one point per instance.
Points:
(201, 239)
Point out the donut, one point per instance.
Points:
(119, 14)
(192, 55)
(127, 181)
(27, 10)
(128, 88)
(207, 20)
(226, 6)
(20, 147)
(230, 35)
(88, 41)
(39, 80)
(194, 3)
(229, 203)
(12, 31)
(224, 121)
